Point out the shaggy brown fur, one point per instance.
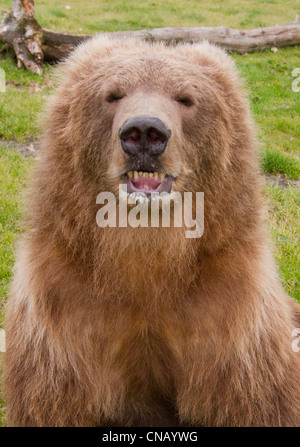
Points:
(140, 326)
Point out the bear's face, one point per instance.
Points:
(152, 117)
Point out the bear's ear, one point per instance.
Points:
(99, 45)
(207, 54)
(90, 54)
(216, 62)
(87, 55)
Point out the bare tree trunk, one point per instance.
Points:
(19, 28)
(32, 43)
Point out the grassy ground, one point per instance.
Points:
(276, 107)
(14, 170)
(114, 15)
(268, 76)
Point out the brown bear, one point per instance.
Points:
(132, 325)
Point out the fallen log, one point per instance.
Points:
(58, 45)
(41, 43)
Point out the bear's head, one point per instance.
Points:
(156, 119)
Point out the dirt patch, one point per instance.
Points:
(281, 180)
(32, 87)
(28, 149)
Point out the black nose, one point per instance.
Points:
(144, 134)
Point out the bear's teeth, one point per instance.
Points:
(136, 174)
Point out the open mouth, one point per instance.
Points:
(148, 182)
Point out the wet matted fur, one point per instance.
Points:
(140, 326)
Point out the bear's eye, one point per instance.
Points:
(114, 97)
(185, 100)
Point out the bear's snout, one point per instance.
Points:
(144, 134)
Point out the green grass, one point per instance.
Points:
(275, 106)
(284, 220)
(23, 100)
(267, 75)
(274, 161)
(14, 170)
(114, 15)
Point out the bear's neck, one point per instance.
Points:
(145, 261)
